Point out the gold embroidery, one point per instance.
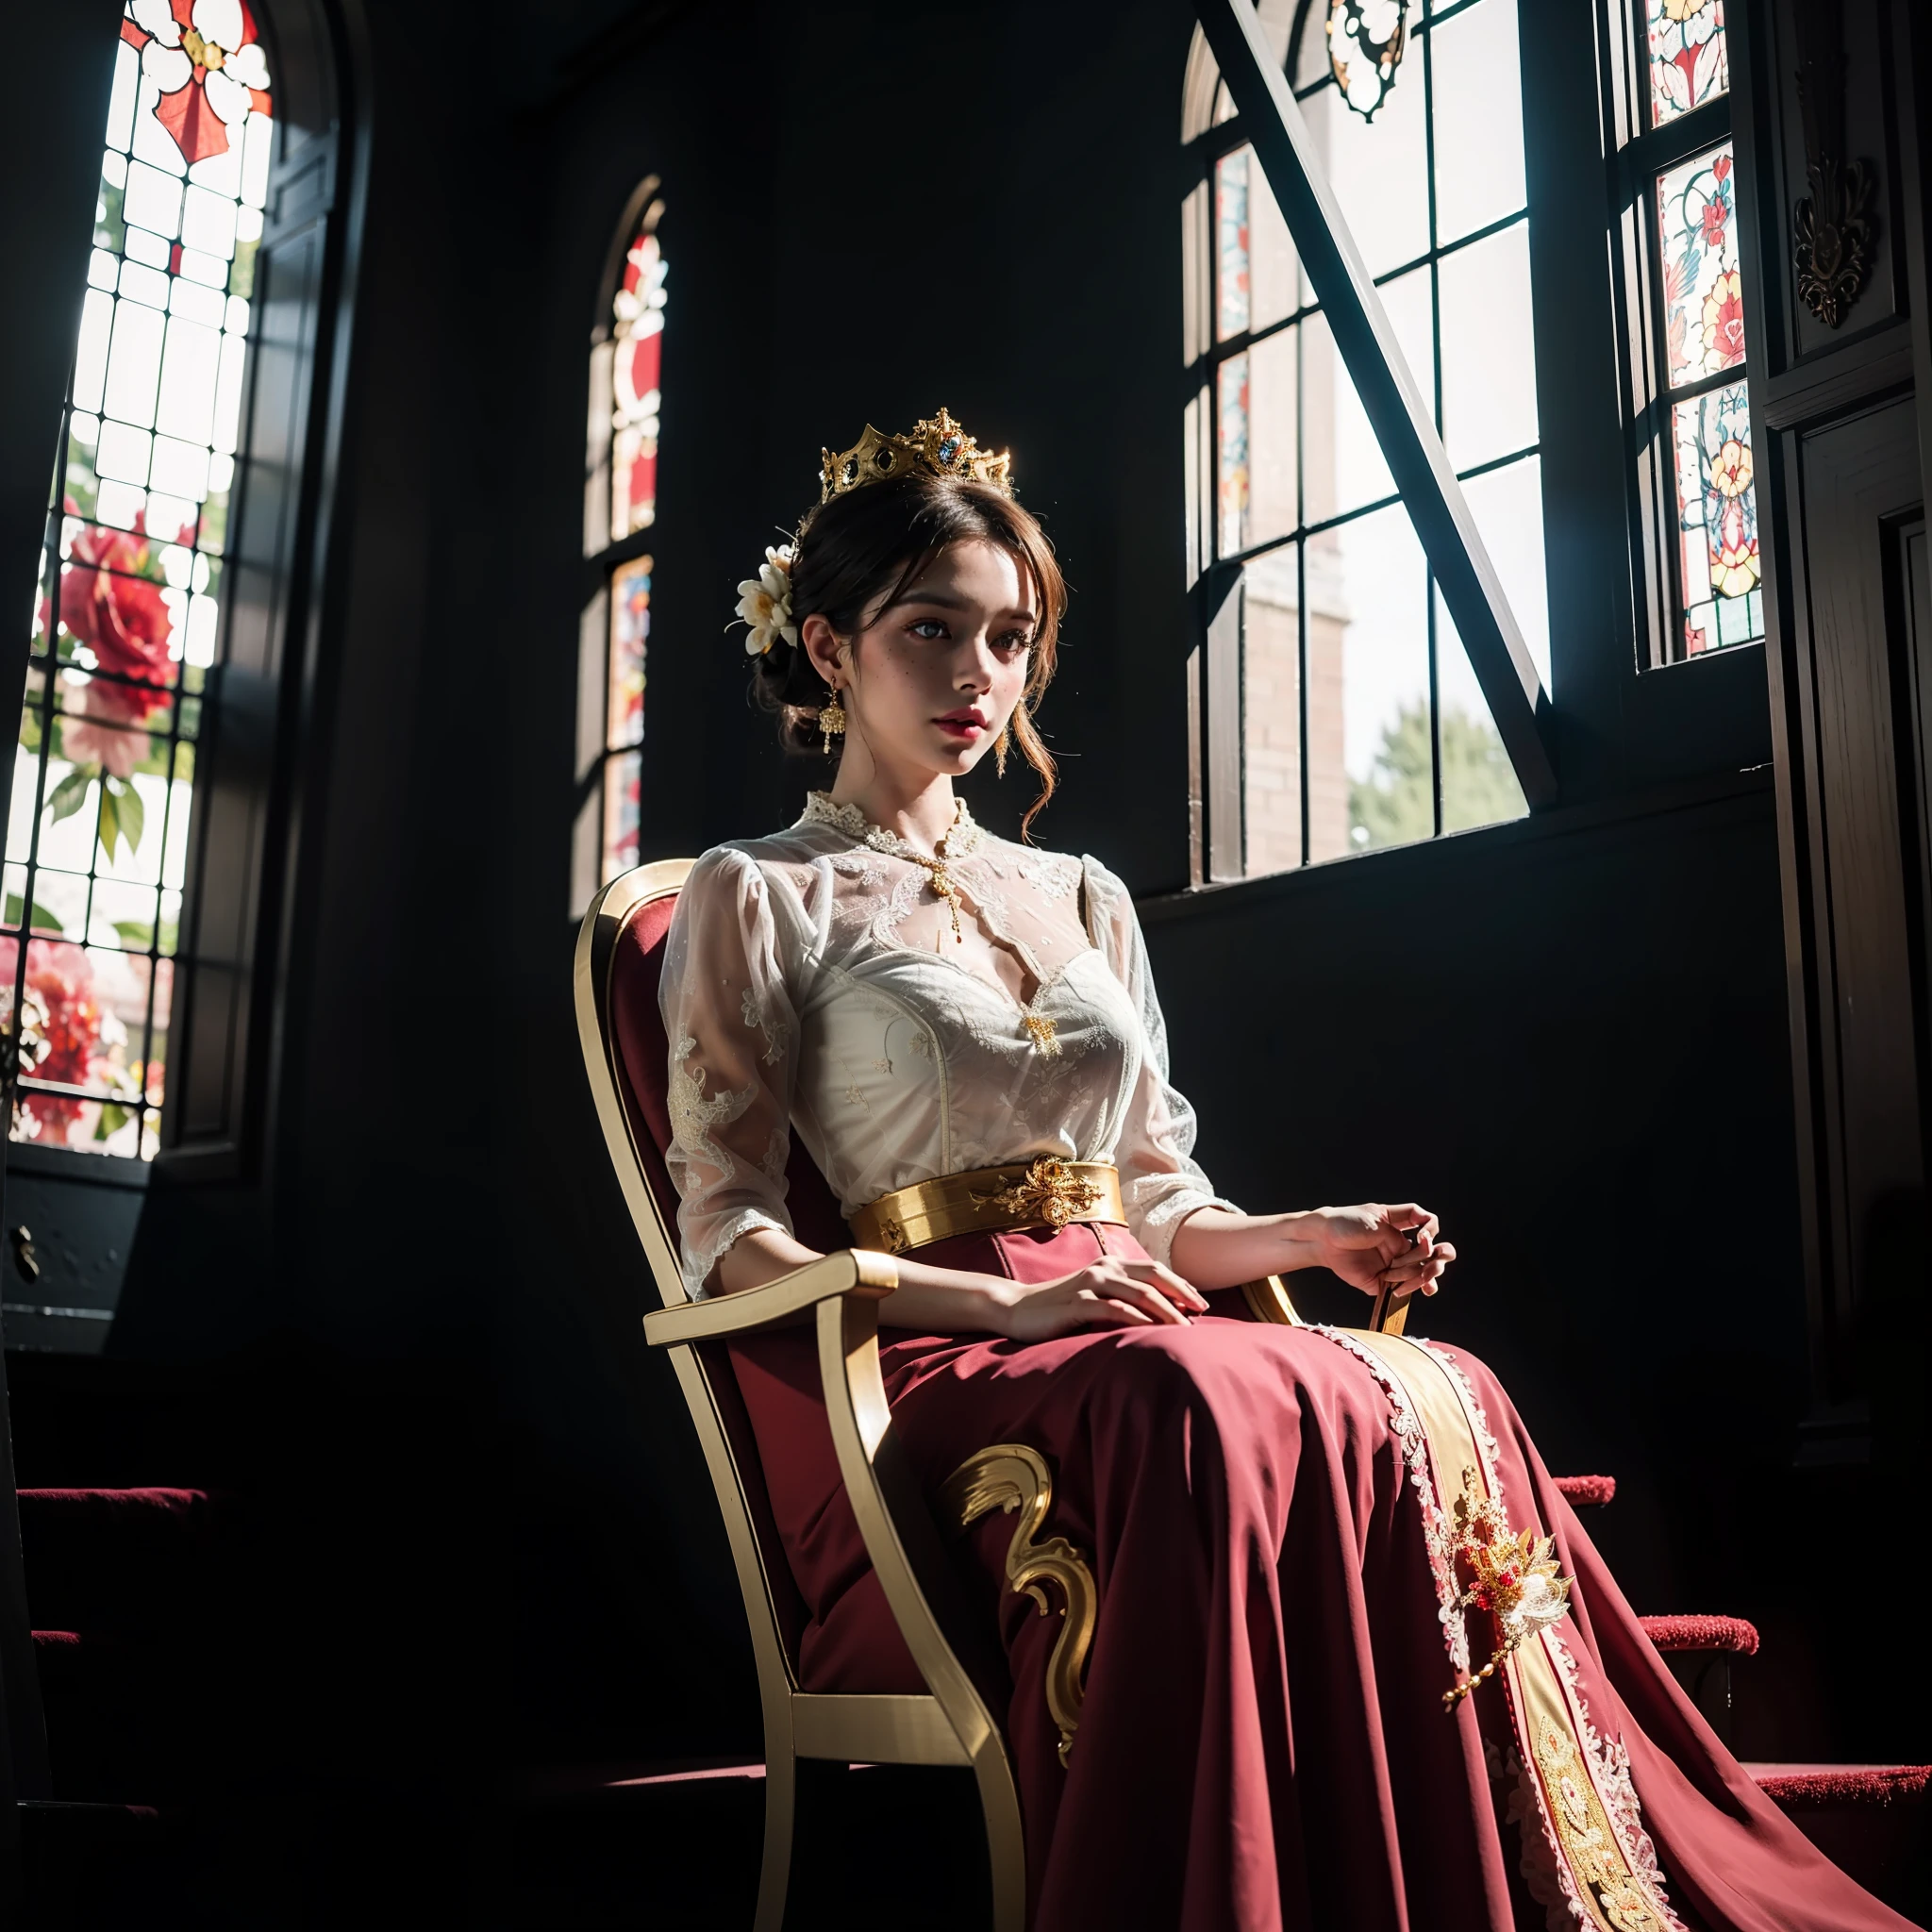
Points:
(1049, 1191)
(1513, 1576)
(1010, 1476)
(1623, 1902)
(1046, 1034)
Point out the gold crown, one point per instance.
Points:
(938, 444)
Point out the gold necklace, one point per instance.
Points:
(819, 806)
(935, 869)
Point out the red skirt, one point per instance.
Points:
(1263, 1743)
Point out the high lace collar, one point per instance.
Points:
(963, 836)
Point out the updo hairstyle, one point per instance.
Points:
(862, 551)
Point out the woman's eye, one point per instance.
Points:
(928, 627)
(1013, 641)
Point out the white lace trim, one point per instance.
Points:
(1412, 1439)
(698, 1262)
(965, 835)
(1545, 1871)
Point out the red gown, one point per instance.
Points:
(1263, 1743)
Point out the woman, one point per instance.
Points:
(1307, 1542)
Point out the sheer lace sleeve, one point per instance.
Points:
(734, 1033)
(1161, 1182)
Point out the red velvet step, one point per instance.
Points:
(1868, 1818)
(1811, 1786)
(114, 1559)
(1732, 1635)
(1587, 1491)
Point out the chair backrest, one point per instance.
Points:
(628, 1057)
(620, 961)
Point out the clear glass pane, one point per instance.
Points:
(1507, 505)
(1342, 467)
(1273, 378)
(1272, 713)
(1231, 242)
(1488, 349)
(1479, 785)
(1368, 686)
(1378, 174)
(1275, 271)
(1717, 519)
(1231, 455)
(134, 363)
(1690, 62)
(1703, 295)
(1477, 88)
(630, 630)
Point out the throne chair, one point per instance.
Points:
(905, 1530)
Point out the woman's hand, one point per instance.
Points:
(1379, 1245)
(1111, 1292)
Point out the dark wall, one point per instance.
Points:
(1568, 1037)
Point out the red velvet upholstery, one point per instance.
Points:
(642, 1060)
(644, 1063)
(1805, 1787)
(1732, 1634)
(1587, 1491)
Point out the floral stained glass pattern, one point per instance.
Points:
(1717, 515)
(1703, 293)
(638, 334)
(630, 630)
(1231, 243)
(1689, 61)
(1231, 438)
(126, 622)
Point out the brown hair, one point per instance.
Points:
(861, 553)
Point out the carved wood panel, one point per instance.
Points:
(1853, 487)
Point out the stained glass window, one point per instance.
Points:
(1705, 551)
(1688, 60)
(126, 626)
(1703, 295)
(1361, 723)
(638, 336)
(620, 507)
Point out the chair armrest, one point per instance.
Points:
(851, 1270)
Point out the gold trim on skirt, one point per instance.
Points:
(1046, 1193)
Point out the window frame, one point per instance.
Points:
(1217, 721)
(236, 920)
(1635, 157)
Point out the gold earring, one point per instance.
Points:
(1001, 746)
(831, 722)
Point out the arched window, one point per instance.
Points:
(620, 507)
(1684, 292)
(1335, 709)
(129, 619)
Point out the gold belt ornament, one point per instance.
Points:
(1045, 1193)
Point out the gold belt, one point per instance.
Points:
(1046, 1193)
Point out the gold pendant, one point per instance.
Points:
(1046, 1034)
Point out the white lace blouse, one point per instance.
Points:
(813, 982)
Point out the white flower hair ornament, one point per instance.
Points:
(764, 602)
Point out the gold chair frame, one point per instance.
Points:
(839, 1294)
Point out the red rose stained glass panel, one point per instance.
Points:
(128, 623)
